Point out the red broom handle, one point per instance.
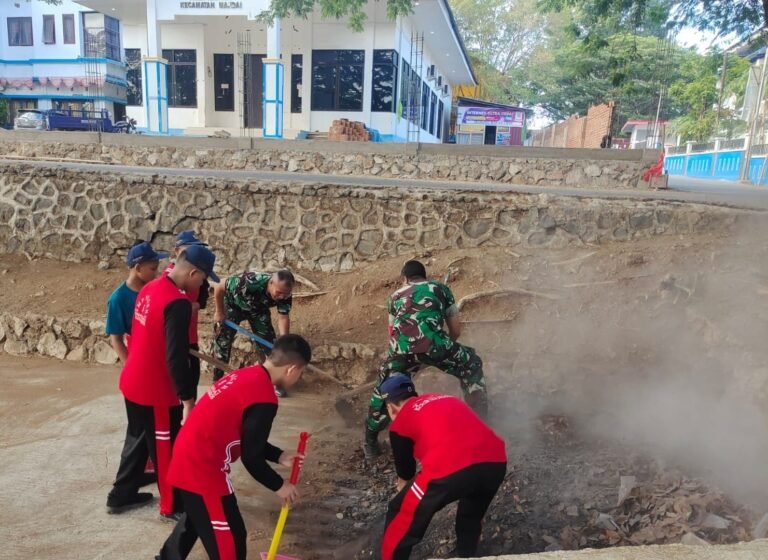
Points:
(302, 448)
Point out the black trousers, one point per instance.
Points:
(215, 520)
(411, 511)
(142, 441)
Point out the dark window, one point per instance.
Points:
(414, 92)
(432, 111)
(384, 83)
(182, 77)
(224, 81)
(49, 30)
(337, 80)
(439, 120)
(134, 93)
(112, 37)
(297, 66)
(424, 106)
(68, 24)
(19, 31)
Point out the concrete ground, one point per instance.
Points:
(756, 550)
(61, 428)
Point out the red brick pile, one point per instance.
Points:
(344, 130)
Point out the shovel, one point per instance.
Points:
(268, 345)
(272, 554)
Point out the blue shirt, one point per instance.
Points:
(120, 310)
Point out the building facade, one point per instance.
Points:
(63, 56)
(200, 67)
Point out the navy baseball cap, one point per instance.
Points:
(397, 386)
(188, 237)
(203, 258)
(143, 252)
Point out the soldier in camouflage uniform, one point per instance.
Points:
(417, 313)
(249, 296)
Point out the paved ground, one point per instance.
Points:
(756, 550)
(61, 428)
(685, 190)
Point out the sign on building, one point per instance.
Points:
(490, 117)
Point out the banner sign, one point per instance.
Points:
(491, 117)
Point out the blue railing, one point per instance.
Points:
(724, 164)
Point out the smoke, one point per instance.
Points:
(657, 345)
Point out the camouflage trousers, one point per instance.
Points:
(459, 361)
(260, 323)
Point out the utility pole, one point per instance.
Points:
(722, 90)
(744, 176)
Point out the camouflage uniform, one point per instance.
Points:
(416, 316)
(246, 298)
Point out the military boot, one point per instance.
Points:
(478, 401)
(371, 447)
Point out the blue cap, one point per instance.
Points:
(202, 257)
(143, 252)
(396, 386)
(188, 237)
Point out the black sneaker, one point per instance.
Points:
(148, 478)
(371, 447)
(172, 517)
(124, 504)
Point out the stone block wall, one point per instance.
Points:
(507, 165)
(77, 215)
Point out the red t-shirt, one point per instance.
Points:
(192, 295)
(209, 441)
(145, 378)
(447, 435)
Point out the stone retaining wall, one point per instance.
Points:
(510, 165)
(76, 216)
(83, 340)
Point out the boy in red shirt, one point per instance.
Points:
(157, 382)
(461, 458)
(231, 421)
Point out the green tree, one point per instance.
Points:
(725, 17)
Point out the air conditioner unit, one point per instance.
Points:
(445, 90)
(431, 72)
(439, 82)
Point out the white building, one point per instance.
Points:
(60, 56)
(202, 66)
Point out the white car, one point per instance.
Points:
(30, 119)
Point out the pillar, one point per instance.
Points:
(274, 75)
(155, 74)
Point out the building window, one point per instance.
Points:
(112, 37)
(101, 36)
(68, 24)
(182, 77)
(297, 67)
(439, 132)
(134, 92)
(409, 93)
(384, 83)
(49, 30)
(19, 31)
(224, 81)
(424, 106)
(432, 111)
(337, 80)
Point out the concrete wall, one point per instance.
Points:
(76, 216)
(502, 164)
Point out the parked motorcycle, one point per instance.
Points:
(127, 126)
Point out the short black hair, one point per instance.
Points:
(414, 269)
(285, 276)
(290, 349)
